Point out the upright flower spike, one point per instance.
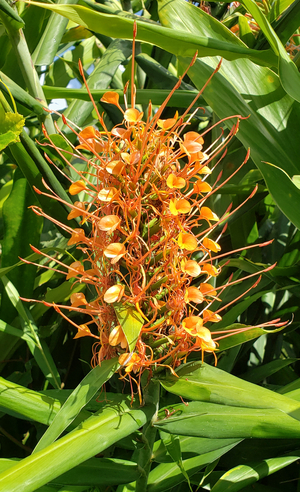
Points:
(149, 253)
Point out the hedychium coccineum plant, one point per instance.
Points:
(152, 255)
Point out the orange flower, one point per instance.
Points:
(77, 213)
(130, 361)
(202, 187)
(191, 267)
(77, 187)
(78, 299)
(207, 214)
(115, 167)
(209, 269)
(168, 123)
(115, 251)
(74, 269)
(133, 115)
(109, 223)
(211, 316)
(211, 245)
(187, 241)
(78, 236)
(179, 206)
(193, 294)
(114, 294)
(107, 194)
(117, 337)
(174, 181)
(83, 331)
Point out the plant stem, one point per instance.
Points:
(151, 395)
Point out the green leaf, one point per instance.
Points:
(77, 400)
(239, 477)
(180, 98)
(28, 403)
(167, 475)
(175, 41)
(11, 12)
(201, 419)
(22, 228)
(90, 438)
(288, 72)
(38, 348)
(11, 125)
(131, 322)
(199, 381)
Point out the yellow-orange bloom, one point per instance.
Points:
(114, 294)
(115, 251)
(77, 237)
(193, 294)
(107, 194)
(168, 123)
(209, 269)
(207, 290)
(109, 223)
(202, 187)
(179, 206)
(117, 337)
(130, 361)
(191, 267)
(211, 316)
(187, 241)
(110, 98)
(211, 245)
(76, 187)
(133, 115)
(192, 324)
(115, 167)
(207, 214)
(77, 213)
(174, 181)
(78, 299)
(83, 331)
(74, 269)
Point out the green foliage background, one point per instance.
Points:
(237, 427)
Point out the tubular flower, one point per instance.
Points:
(146, 244)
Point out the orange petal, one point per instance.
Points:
(115, 251)
(109, 223)
(168, 123)
(191, 267)
(77, 213)
(115, 167)
(110, 98)
(114, 294)
(209, 269)
(193, 294)
(133, 115)
(211, 316)
(207, 290)
(192, 324)
(83, 331)
(207, 214)
(117, 337)
(187, 241)
(202, 187)
(74, 269)
(77, 187)
(211, 245)
(78, 299)
(88, 132)
(107, 194)
(193, 137)
(179, 206)
(77, 237)
(174, 181)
